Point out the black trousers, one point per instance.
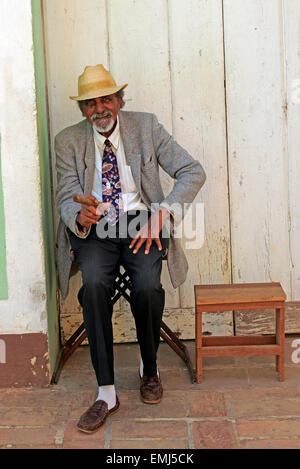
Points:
(98, 260)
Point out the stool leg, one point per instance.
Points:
(198, 346)
(280, 341)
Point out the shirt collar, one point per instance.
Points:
(113, 138)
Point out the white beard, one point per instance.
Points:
(106, 128)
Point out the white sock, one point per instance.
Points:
(142, 369)
(107, 394)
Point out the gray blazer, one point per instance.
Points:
(147, 145)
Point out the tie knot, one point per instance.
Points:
(107, 143)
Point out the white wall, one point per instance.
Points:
(25, 309)
(257, 146)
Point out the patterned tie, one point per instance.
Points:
(111, 186)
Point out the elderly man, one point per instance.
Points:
(113, 157)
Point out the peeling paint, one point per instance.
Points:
(37, 291)
(33, 361)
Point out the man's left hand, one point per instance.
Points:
(150, 231)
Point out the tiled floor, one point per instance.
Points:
(240, 404)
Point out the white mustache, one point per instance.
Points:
(100, 116)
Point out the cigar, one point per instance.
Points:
(85, 201)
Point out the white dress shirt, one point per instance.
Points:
(130, 196)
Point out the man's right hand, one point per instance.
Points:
(88, 214)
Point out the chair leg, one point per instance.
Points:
(178, 346)
(280, 340)
(80, 334)
(67, 350)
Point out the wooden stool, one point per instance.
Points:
(122, 287)
(212, 298)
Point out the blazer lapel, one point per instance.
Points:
(89, 161)
(130, 142)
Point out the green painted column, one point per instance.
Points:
(3, 274)
(44, 153)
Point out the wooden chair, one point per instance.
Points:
(122, 287)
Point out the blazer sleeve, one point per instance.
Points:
(188, 173)
(68, 183)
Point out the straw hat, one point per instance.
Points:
(95, 82)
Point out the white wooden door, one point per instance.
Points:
(222, 78)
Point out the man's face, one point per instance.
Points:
(102, 112)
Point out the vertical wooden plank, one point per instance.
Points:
(292, 62)
(139, 56)
(197, 70)
(75, 36)
(257, 141)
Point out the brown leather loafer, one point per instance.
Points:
(151, 389)
(95, 416)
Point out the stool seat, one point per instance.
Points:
(225, 297)
(239, 292)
